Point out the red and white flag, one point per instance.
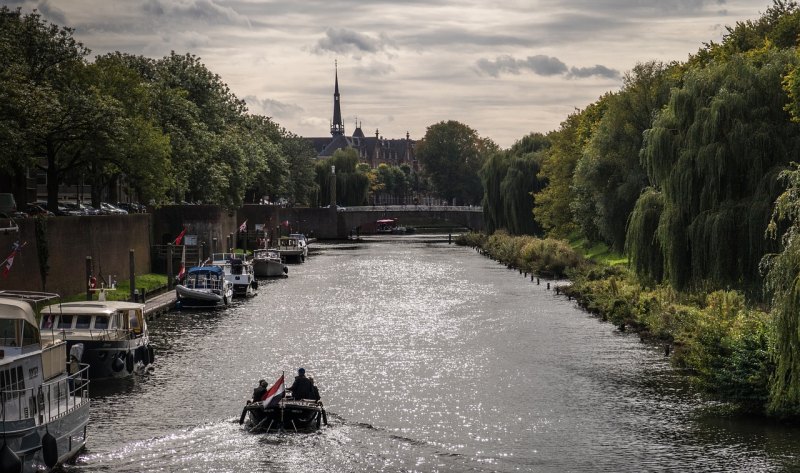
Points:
(9, 261)
(180, 237)
(182, 271)
(243, 226)
(285, 223)
(274, 394)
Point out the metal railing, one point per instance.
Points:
(47, 402)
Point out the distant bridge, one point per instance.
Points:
(364, 218)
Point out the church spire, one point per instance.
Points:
(337, 127)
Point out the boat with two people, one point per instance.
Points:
(238, 269)
(281, 408)
(113, 334)
(267, 264)
(204, 286)
(44, 399)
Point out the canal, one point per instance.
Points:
(429, 358)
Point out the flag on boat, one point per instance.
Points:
(182, 271)
(285, 223)
(274, 394)
(49, 322)
(180, 237)
(243, 226)
(9, 261)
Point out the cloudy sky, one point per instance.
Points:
(505, 68)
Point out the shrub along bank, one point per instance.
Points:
(716, 338)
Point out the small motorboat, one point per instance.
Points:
(204, 286)
(268, 264)
(277, 411)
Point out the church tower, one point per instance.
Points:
(337, 126)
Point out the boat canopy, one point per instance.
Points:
(206, 270)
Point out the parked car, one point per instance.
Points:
(69, 209)
(132, 207)
(112, 209)
(83, 208)
(35, 209)
(8, 206)
(7, 224)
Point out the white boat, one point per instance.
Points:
(291, 249)
(204, 286)
(238, 270)
(45, 410)
(113, 333)
(268, 264)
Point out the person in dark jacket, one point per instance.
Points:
(301, 387)
(314, 391)
(260, 390)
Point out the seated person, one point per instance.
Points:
(259, 391)
(314, 391)
(301, 388)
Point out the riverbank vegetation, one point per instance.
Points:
(689, 172)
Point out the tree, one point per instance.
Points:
(451, 155)
(552, 204)
(509, 182)
(783, 285)
(608, 176)
(715, 153)
(352, 186)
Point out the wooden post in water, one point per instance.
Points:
(88, 278)
(132, 276)
(169, 265)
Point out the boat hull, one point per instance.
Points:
(269, 269)
(292, 415)
(115, 359)
(189, 297)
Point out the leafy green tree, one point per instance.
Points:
(783, 285)
(451, 155)
(714, 153)
(510, 181)
(608, 176)
(552, 204)
(352, 186)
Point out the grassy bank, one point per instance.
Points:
(151, 283)
(716, 338)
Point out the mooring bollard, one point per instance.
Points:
(548, 286)
(537, 281)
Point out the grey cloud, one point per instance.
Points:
(539, 64)
(208, 11)
(597, 70)
(375, 69)
(272, 108)
(344, 41)
(52, 13)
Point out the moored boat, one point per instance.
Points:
(45, 409)
(238, 270)
(290, 249)
(268, 264)
(204, 286)
(113, 334)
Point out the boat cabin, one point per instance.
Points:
(94, 320)
(205, 277)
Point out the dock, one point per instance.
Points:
(160, 304)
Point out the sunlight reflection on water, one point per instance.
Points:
(429, 358)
